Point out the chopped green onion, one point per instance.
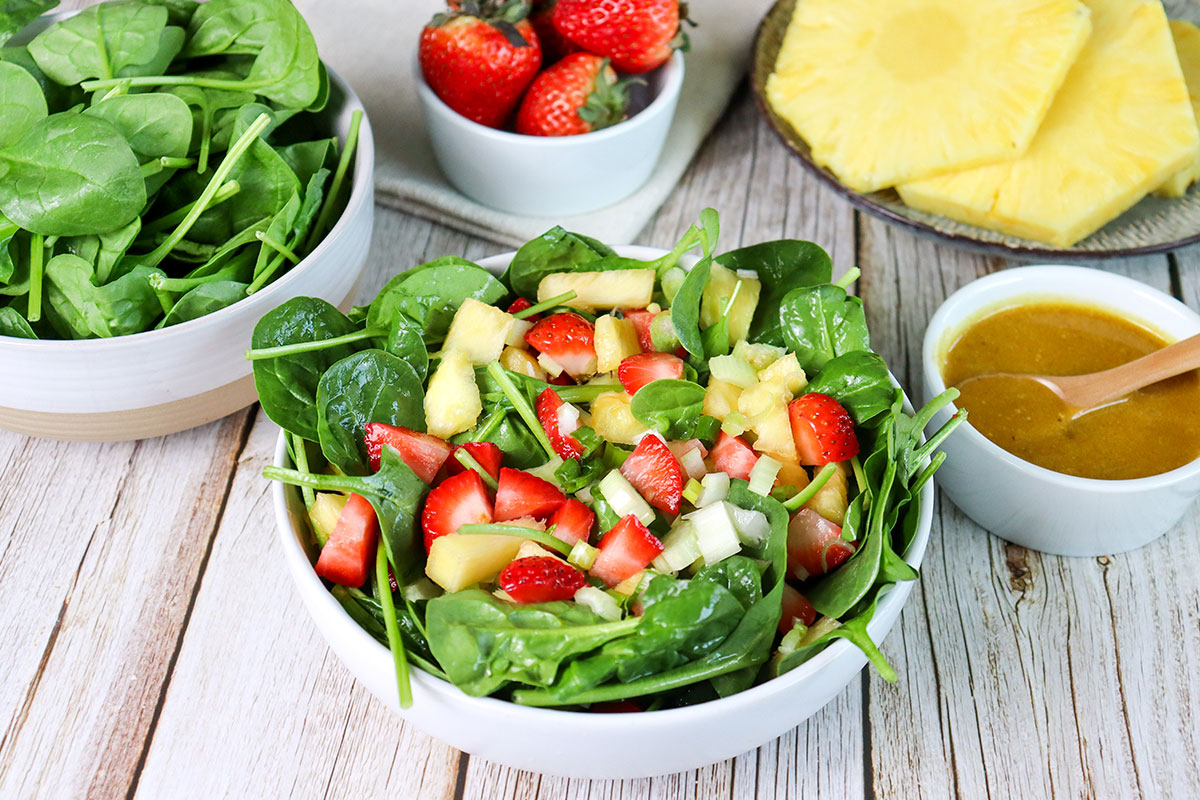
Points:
(470, 462)
(521, 404)
(538, 308)
(692, 491)
(583, 555)
(734, 424)
(762, 475)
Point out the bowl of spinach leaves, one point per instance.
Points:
(518, 681)
(168, 171)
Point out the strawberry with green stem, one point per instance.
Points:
(579, 94)
(638, 35)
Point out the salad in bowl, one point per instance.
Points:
(601, 483)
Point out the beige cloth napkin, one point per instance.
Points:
(372, 44)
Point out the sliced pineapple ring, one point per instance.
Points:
(887, 92)
(1187, 45)
(1120, 126)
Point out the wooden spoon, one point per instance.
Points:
(1087, 392)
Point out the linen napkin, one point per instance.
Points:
(372, 45)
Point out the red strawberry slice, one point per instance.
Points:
(487, 454)
(347, 556)
(523, 495)
(567, 338)
(566, 445)
(814, 545)
(459, 500)
(638, 370)
(625, 551)
(540, 579)
(823, 431)
(733, 456)
(572, 522)
(655, 473)
(796, 608)
(561, 379)
(423, 453)
(520, 304)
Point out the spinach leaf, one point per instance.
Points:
(520, 447)
(668, 406)
(306, 158)
(859, 381)
(155, 125)
(368, 613)
(405, 342)
(13, 324)
(853, 630)
(16, 14)
(70, 174)
(371, 386)
(822, 322)
(483, 642)
(83, 310)
(556, 250)
(267, 185)
(431, 293)
(111, 248)
(287, 385)
(739, 574)
(8, 232)
(100, 41)
(21, 103)
(781, 266)
(205, 299)
(685, 308)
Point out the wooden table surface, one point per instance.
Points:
(153, 646)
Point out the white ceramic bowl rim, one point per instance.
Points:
(672, 81)
(1019, 282)
(296, 555)
(364, 160)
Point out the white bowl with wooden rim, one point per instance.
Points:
(163, 381)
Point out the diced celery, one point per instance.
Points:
(624, 499)
(716, 535)
(716, 489)
(583, 555)
(733, 369)
(680, 548)
(600, 602)
(762, 475)
(691, 492)
(585, 495)
(757, 356)
(693, 463)
(662, 333)
(672, 279)
(753, 528)
(734, 424)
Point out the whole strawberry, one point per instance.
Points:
(480, 57)
(579, 94)
(637, 35)
(554, 44)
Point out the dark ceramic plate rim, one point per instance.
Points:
(864, 203)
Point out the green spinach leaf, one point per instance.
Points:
(13, 324)
(822, 322)
(100, 41)
(21, 103)
(556, 250)
(16, 14)
(685, 308)
(431, 293)
(781, 266)
(668, 406)
(81, 309)
(858, 380)
(205, 299)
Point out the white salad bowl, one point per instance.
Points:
(574, 744)
(1030, 505)
(554, 175)
(162, 381)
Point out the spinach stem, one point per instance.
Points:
(927, 473)
(521, 405)
(175, 80)
(316, 344)
(544, 539)
(165, 301)
(470, 462)
(545, 305)
(228, 190)
(850, 277)
(691, 238)
(335, 187)
(490, 424)
(933, 442)
(334, 483)
(300, 454)
(577, 394)
(395, 643)
(214, 185)
(806, 494)
(262, 278)
(37, 257)
(860, 477)
(277, 246)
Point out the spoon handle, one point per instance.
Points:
(1099, 388)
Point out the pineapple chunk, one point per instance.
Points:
(792, 474)
(786, 370)
(618, 288)
(831, 500)
(324, 514)
(478, 331)
(531, 549)
(758, 401)
(887, 92)
(456, 562)
(520, 361)
(721, 283)
(1187, 45)
(759, 356)
(630, 585)
(612, 418)
(720, 398)
(1121, 125)
(774, 432)
(616, 340)
(452, 403)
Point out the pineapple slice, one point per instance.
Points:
(831, 501)
(617, 288)
(1120, 126)
(758, 401)
(759, 356)
(788, 371)
(720, 398)
(1187, 45)
(452, 403)
(478, 331)
(721, 283)
(615, 340)
(887, 92)
(774, 437)
(326, 509)
(792, 474)
(456, 562)
(613, 419)
(520, 361)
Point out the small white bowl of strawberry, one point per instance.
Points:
(554, 107)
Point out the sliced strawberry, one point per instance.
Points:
(638, 370)
(625, 550)
(655, 473)
(567, 338)
(572, 522)
(540, 579)
(459, 500)
(796, 608)
(814, 545)
(641, 319)
(558, 426)
(823, 431)
(733, 456)
(520, 304)
(615, 707)
(423, 453)
(523, 495)
(346, 557)
(561, 379)
(487, 454)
